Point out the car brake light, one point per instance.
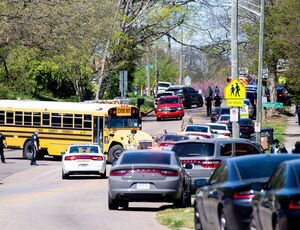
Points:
(73, 158)
(227, 134)
(281, 95)
(168, 173)
(203, 163)
(294, 204)
(243, 195)
(120, 172)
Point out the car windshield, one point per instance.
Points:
(194, 128)
(165, 85)
(225, 111)
(193, 149)
(174, 138)
(173, 100)
(224, 118)
(218, 127)
(164, 94)
(216, 110)
(146, 158)
(83, 149)
(175, 90)
(122, 122)
(265, 169)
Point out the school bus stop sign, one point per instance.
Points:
(235, 93)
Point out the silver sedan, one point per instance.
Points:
(148, 175)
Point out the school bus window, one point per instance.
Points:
(87, 121)
(2, 117)
(9, 117)
(78, 121)
(56, 120)
(46, 119)
(18, 118)
(27, 118)
(68, 120)
(36, 118)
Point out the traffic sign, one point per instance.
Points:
(235, 90)
(235, 102)
(273, 104)
(187, 81)
(234, 114)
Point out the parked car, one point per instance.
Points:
(159, 95)
(169, 107)
(162, 86)
(223, 119)
(169, 139)
(217, 112)
(278, 205)
(283, 96)
(145, 175)
(189, 95)
(246, 127)
(83, 159)
(224, 202)
(201, 157)
(220, 130)
(198, 131)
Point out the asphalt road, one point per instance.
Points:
(35, 197)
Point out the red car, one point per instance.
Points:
(169, 107)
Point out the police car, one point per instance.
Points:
(83, 159)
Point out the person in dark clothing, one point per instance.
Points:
(298, 111)
(35, 144)
(296, 149)
(2, 145)
(210, 92)
(208, 105)
(218, 100)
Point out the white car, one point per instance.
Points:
(83, 159)
(196, 131)
(220, 130)
(162, 86)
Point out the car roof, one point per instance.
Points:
(260, 157)
(209, 124)
(148, 151)
(199, 125)
(216, 140)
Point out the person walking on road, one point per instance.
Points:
(2, 145)
(298, 111)
(35, 144)
(186, 120)
(208, 105)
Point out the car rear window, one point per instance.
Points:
(146, 158)
(196, 129)
(224, 118)
(194, 149)
(84, 149)
(245, 121)
(169, 100)
(262, 170)
(175, 138)
(165, 85)
(218, 127)
(225, 111)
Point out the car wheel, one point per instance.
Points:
(180, 118)
(64, 175)
(223, 221)
(252, 224)
(188, 199)
(112, 204)
(197, 221)
(57, 158)
(158, 119)
(103, 175)
(124, 204)
(181, 202)
(115, 152)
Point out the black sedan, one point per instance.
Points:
(246, 127)
(224, 202)
(278, 206)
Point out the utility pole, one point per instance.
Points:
(181, 59)
(234, 55)
(260, 70)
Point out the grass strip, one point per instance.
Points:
(279, 124)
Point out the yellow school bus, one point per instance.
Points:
(115, 127)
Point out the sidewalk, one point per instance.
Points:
(292, 133)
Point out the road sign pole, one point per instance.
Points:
(234, 55)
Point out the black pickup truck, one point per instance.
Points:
(188, 95)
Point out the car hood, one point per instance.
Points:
(168, 105)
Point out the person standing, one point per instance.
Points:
(276, 147)
(208, 105)
(298, 111)
(210, 92)
(217, 91)
(135, 90)
(218, 101)
(35, 144)
(2, 145)
(296, 149)
(186, 120)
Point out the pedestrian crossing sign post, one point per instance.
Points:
(235, 93)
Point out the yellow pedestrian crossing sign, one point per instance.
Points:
(235, 90)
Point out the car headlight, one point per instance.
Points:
(180, 108)
(159, 110)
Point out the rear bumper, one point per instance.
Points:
(78, 168)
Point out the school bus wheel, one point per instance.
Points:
(27, 151)
(115, 152)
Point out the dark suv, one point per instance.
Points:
(188, 95)
(201, 157)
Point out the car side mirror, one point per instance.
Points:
(200, 183)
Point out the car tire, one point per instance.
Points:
(64, 175)
(223, 221)
(158, 119)
(57, 158)
(112, 204)
(124, 204)
(181, 202)
(197, 221)
(115, 152)
(103, 175)
(188, 199)
(180, 118)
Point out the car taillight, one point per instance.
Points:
(294, 204)
(243, 195)
(73, 158)
(203, 163)
(121, 172)
(281, 95)
(168, 173)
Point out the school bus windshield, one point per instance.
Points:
(122, 122)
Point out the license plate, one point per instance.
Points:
(143, 186)
(82, 165)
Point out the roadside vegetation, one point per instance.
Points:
(279, 125)
(177, 218)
